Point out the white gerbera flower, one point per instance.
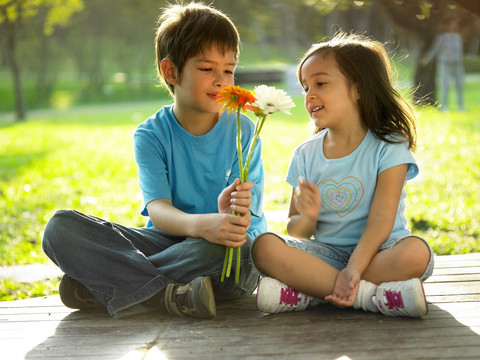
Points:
(271, 100)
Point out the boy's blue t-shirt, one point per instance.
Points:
(347, 185)
(192, 171)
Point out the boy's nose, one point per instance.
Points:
(220, 82)
(220, 79)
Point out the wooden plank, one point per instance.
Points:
(43, 328)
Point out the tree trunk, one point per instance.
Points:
(11, 47)
(425, 84)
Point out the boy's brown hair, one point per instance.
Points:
(186, 30)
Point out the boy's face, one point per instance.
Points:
(203, 76)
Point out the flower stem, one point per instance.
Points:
(239, 141)
(230, 260)
(227, 263)
(258, 128)
(237, 268)
(224, 269)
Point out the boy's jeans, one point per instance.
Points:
(125, 266)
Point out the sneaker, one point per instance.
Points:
(76, 296)
(273, 296)
(401, 298)
(193, 299)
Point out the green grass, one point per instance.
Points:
(82, 158)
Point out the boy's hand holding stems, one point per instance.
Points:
(235, 197)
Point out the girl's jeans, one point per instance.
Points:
(124, 266)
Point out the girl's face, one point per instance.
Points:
(330, 100)
(203, 76)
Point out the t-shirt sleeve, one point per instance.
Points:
(397, 154)
(151, 168)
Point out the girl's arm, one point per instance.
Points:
(379, 227)
(381, 218)
(304, 208)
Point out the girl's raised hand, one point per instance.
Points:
(307, 199)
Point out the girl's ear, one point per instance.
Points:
(169, 71)
(355, 93)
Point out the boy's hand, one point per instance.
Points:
(307, 199)
(224, 229)
(236, 197)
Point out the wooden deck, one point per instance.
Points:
(43, 328)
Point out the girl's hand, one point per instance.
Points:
(346, 288)
(307, 199)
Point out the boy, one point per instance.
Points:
(188, 174)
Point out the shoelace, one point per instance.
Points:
(394, 299)
(289, 296)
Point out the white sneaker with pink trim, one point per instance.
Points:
(273, 296)
(401, 298)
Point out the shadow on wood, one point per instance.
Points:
(43, 328)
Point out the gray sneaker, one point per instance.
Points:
(76, 296)
(193, 299)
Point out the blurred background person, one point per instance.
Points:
(447, 48)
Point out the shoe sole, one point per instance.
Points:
(205, 303)
(424, 298)
(68, 286)
(420, 299)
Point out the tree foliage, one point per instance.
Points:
(16, 13)
(94, 41)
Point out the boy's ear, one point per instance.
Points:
(169, 71)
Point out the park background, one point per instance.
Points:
(77, 77)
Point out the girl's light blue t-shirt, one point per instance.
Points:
(347, 185)
(191, 171)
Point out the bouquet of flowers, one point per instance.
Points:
(263, 101)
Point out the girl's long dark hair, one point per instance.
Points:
(365, 63)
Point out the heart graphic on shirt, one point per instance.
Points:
(341, 197)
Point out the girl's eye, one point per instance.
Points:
(320, 84)
(205, 69)
(229, 72)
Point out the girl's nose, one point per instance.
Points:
(309, 94)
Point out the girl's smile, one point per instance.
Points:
(330, 99)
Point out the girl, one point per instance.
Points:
(349, 243)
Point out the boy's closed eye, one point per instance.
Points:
(229, 72)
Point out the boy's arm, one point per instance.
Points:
(221, 228)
